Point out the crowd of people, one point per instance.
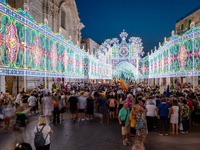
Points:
(139, 109)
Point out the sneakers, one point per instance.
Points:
(166, 134)
(82, 119)
(79, 119)
(186, 131)
(87, 119)
(127, 141)
(124, 142)
(161, 134)
(182, 132)
(91, 118)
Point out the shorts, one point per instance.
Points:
(126, 129)
(132, 132)
(112, 109)
(89, 111)
(73, 111)
(33, 108)
(62, 110)
(81, 110)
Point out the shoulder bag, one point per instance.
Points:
(139, 124)
(123, 122)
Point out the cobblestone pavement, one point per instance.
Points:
(91, 135)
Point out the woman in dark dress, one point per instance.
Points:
(90, 107)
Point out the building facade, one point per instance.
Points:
(32, 53)
(62, 15)
(183, 24)
(89, 45)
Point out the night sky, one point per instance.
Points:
(151, 20)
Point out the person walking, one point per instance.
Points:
(141, 133)
(32, 103)
(163, 114)
(62, 105)
(20, 126)
(46, 131)
(82, 105)
(90, 107)
(132, 118)
(18, 99)
(103, 108)
(174, 117)
(48, 106)
(124, 122)
(111, 102)
(73, 106)
(56, 116)
(150, 114)
(185, 116)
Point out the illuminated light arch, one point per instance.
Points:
(37, 52)
(182, 56)
(54, 56)
(126, 67)
(66, 59)
(12, 43)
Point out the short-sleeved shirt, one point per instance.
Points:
(21, 118)
(32, 101)
(163, 109)
(185, 109)
(190, 104)
(82, 102)
(151, 110)
(25, 98)
(45, 133)
(90, 103)
(73, 103)
(18, 99)
(123, 113)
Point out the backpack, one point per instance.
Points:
(39, 140)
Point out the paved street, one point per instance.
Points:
(94, 136)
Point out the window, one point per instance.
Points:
(182, 27)
(62, 19)
(94, 51)
(189, 22)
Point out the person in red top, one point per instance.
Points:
(190, 104)
(169, 103)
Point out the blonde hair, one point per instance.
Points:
(42, 120)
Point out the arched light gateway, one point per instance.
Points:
(127, 69)
(125, 55)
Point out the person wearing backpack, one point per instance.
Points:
(42, 134)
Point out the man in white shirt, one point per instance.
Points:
(18, 99)
(32, 103)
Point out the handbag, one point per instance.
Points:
(180, 126)
(123, 122)
(139, 124)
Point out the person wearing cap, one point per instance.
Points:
(82, 105)
(103, 107)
